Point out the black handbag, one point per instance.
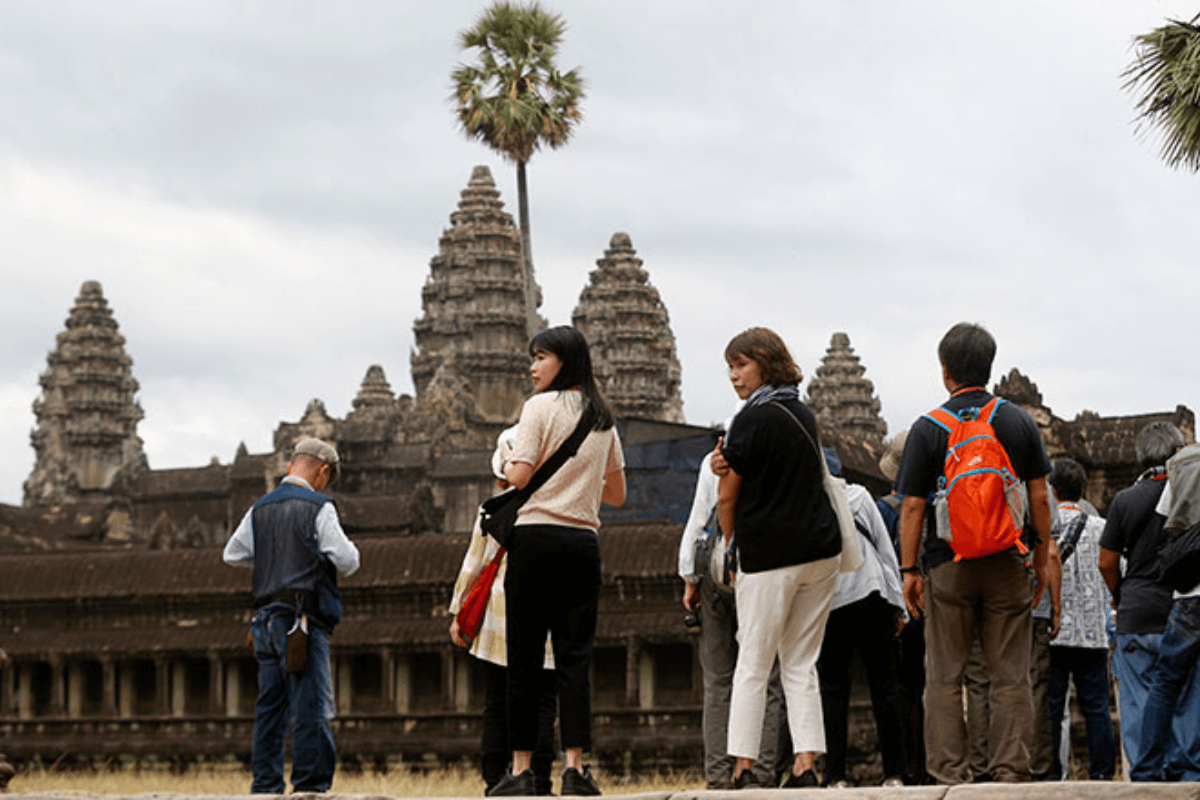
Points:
(1179, 560)
(498, 515)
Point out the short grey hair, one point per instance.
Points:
(1156, 442)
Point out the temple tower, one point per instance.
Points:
(375, 396)
(85, 437)
(841, 397)
(629, 333)
(474, 321)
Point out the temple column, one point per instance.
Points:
(162, 686)
(462, 681)
(633, 650)
(58, 705)
(403, 681)
(387, 673)
(108, 677)
(127, 691)
(216, 675)
(178, 688)
(645, 679)
(344, 690)
(25, 692)
(8, 679)
(74, 675)
(233, 690)
(448, 685)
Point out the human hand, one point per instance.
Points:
(456, 636)
(1040, 576)
(914, 594)
(719, 465)
(691, 596)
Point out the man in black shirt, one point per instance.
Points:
(990, 596)
(1134, 531)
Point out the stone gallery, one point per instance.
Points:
(127, 633)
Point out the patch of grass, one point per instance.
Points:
(232, 779)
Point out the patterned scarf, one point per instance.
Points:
(766, 394)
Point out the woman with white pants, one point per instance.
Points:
(773, 505)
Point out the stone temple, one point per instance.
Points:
(126, 631)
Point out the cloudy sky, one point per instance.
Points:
(259, 187)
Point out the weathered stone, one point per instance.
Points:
(629, 334)
(1103, 445)
(841, 398)
(475, 318)
(86, 438)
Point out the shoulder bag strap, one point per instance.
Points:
(565, 450)
(804, 430)
(1071, 538)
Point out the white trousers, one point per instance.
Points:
(781, 612)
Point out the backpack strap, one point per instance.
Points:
(943, 419)
(988, 412)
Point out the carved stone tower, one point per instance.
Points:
(474, 321)
(842, 398)
(629, 334)
(86, 437)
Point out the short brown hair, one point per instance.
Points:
(764, 347)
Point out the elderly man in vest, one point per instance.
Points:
(295, 543)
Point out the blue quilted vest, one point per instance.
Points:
(288, 563)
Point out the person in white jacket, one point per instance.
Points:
(868, 611)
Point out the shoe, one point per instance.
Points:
(746, 780)
(576, 782)
(893, 781)
(723, 785)
(806, 780)
(513, 785)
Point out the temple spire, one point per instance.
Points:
(629, 332)
(842, 398)
(85, 437)
(474, 316)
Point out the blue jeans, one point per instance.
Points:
(1089, 667)
(1178, 649)
(302, 702)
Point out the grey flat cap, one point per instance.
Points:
(321, 451)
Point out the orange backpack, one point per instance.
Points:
(980, 503)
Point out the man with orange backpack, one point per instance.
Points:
(979, 464)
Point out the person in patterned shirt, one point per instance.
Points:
(1080, 651)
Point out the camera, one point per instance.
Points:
(691, 621)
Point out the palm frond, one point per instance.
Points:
(1167, 69)
(513, 97)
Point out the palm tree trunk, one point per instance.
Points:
(526, 252)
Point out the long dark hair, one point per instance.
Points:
(571, 349)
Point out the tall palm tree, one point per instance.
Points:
(1168, 66)
(514, 99)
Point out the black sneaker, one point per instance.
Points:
(746, 780)
(513, 785)
(804, 780)
(576, 782)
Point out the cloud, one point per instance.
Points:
(233, 172)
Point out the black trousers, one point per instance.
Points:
(495, 752)
(552, 586)
(869, 626)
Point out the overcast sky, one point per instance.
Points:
(259, 187)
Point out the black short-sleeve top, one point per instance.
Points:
(783, 516)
